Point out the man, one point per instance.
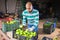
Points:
(31, 16)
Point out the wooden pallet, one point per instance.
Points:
(3, 36)
(6, 36)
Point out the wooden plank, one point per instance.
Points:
(3, 35)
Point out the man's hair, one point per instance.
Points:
(29, 3)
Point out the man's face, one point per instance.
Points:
(29, 7)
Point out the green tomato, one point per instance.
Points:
(14, 21)
(25, 35)
(31, 33)
(28, 33)
(21, 32)
(17, 32)
(34, 34)
(26, 30)
(11, 22)
(30, 36)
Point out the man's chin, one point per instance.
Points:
(30, 11)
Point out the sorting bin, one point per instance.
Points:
(9, 27)
(25, 38)
(48, 27)
(21, 37)
(46, 38)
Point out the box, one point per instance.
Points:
(21, 37)
(25, 38)
(48, 26)
(9, 27)
(46, 38)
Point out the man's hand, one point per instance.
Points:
(31, 29)
(21, 26)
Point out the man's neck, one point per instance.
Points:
(30, 11)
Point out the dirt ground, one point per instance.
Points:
(41, 34)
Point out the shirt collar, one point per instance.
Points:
(31, 12)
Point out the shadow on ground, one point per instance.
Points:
(40, 31)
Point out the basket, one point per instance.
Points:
(9, 27)
(21, 37)
(48, 26)
(46, 38)
(25, 38)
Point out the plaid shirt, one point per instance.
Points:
(31, 18)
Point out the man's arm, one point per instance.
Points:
(24, 19)
(36, 22)
(36, 19)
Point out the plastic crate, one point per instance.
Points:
(49, 27)
(23, 37)
(46, 38)
(9, 27)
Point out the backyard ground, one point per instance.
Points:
(40, 32)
